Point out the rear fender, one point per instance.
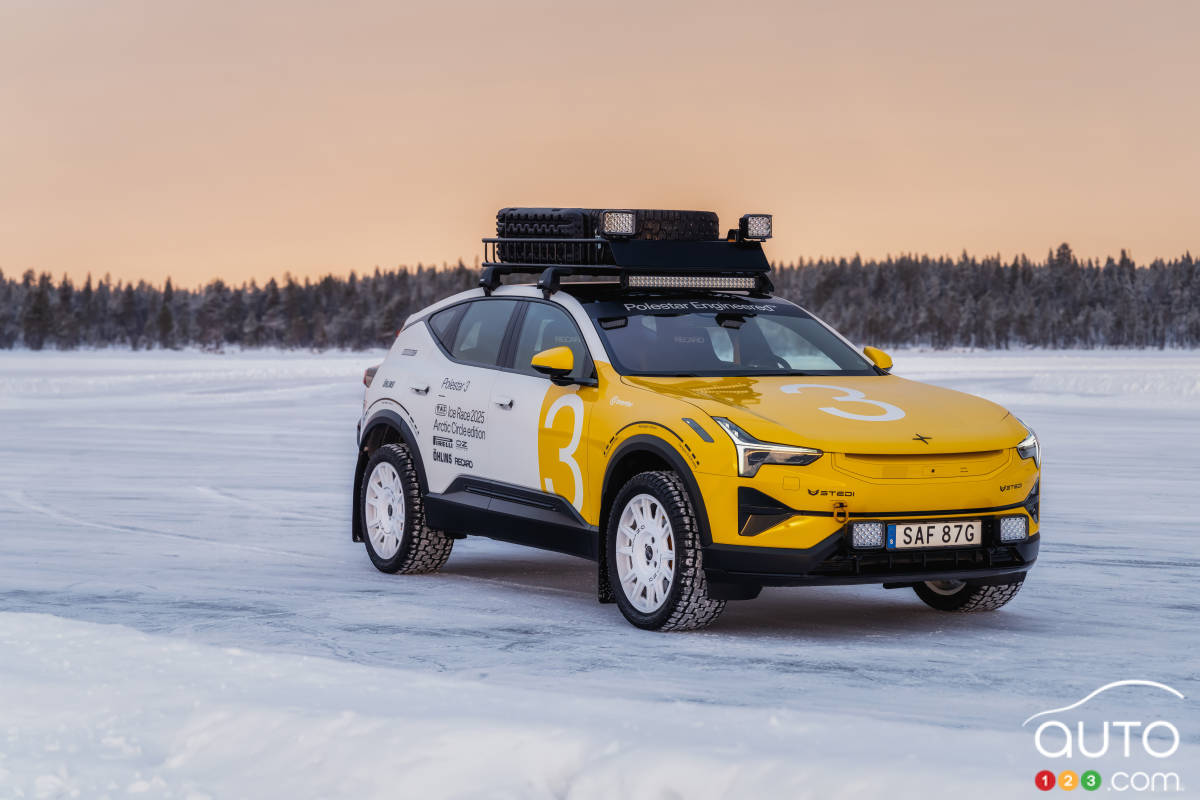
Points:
(382, 427)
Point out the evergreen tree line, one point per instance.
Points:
(910, 300)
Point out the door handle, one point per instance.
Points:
(504, 402)
(420, 388)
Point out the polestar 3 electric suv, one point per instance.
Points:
(647, 403)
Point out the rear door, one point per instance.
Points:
(457, 437)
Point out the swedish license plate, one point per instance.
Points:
(942, 533)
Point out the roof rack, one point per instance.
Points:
(730, 264)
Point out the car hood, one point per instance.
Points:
(882, 414)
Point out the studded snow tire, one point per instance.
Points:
(421, 548)
(969, 596)
(687, 605)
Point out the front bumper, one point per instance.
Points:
(833, 561)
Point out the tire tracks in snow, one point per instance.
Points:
(214, 493)
(19, 497)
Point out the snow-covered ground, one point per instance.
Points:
(182, 613)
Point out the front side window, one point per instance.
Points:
(546, 326)
(480, 331)
(715, 336)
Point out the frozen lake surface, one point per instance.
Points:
(183, 614)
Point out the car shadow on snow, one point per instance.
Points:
(837, 611)
(813, 611)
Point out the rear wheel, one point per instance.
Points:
(393, 515)
(654, 557)
(967, 595)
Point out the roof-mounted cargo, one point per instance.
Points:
(641, 248)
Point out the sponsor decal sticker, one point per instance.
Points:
(703, 305)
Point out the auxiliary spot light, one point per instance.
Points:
(618, 223)
(755, 227)
(1013, 529)
(866, 535)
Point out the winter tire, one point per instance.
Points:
(654, 556)
(393, 515)
(967, 595)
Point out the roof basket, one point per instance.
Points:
(643, 248)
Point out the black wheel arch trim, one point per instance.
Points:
(658, 446)
(380, 419)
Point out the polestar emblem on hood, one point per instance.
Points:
(920, 438)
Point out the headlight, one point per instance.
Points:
(1029, 448)
(753, 453)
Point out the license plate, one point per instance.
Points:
(942, 533)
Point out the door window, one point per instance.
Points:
(480, 332)
(546, 326)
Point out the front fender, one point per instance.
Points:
(662, 443)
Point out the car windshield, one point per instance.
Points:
(716, 336)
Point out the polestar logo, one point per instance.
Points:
(920, 438)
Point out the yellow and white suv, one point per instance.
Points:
(649, 405)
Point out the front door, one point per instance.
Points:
(541, 426)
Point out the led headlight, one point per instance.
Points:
(1013, 529)
(755, 227)
(618, 223)
(866, 534)
(753, 453)
(1030, 448)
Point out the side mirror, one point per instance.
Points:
(557, 362)
(878, 358)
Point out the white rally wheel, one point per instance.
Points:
(384, 510)
(646, 553)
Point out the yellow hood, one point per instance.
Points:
(882, 414)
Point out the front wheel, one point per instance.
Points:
(967, 595)
(393, 516)
(655, 567)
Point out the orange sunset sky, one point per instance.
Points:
(238, 140)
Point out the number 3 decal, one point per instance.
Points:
(567, 454)
(890, 412)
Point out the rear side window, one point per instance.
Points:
(480, 332)
(443, 322)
